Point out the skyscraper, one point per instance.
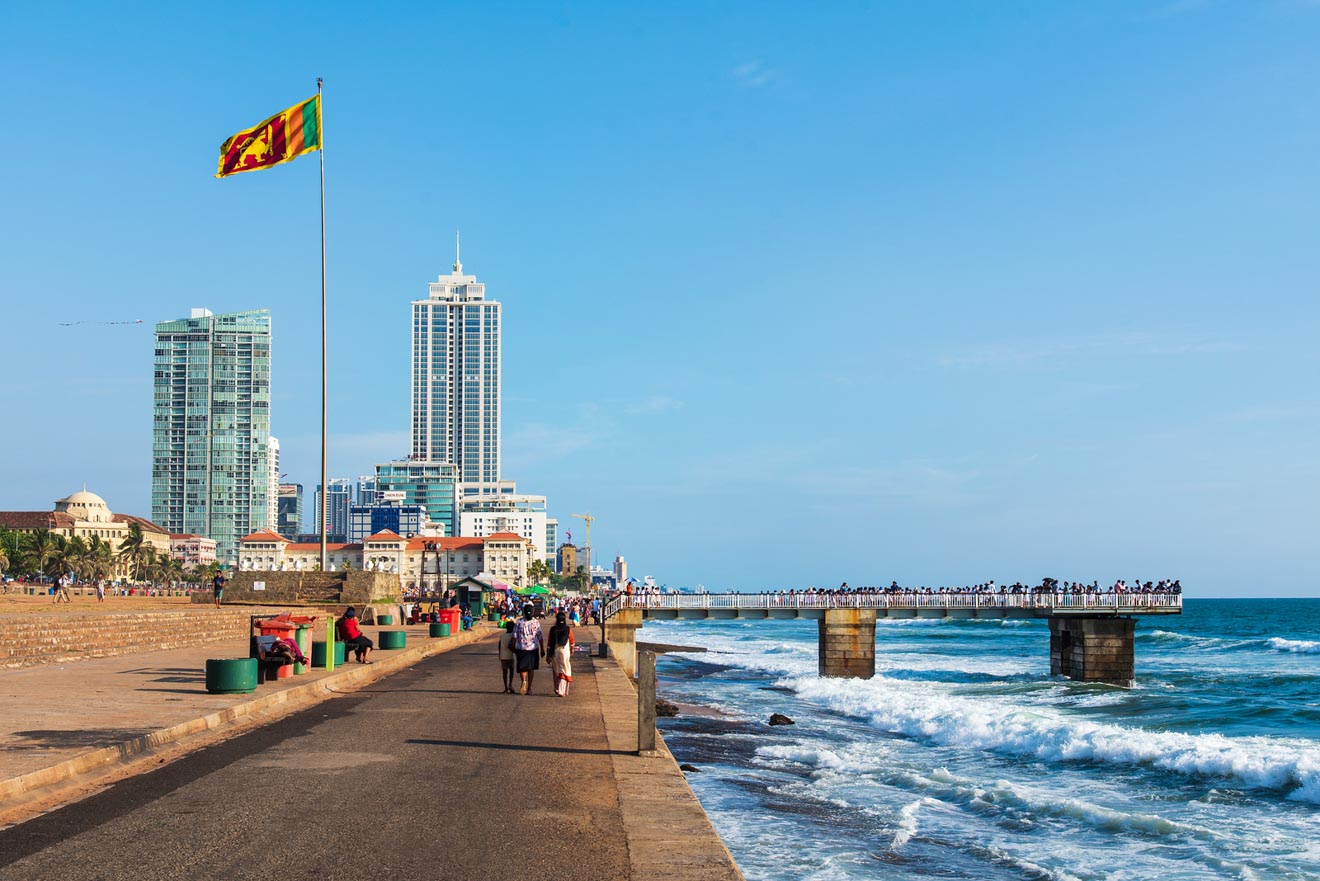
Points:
(333, 507)
(289, 521)
(210, 470)
(273, 476)
(366, 490)
(456, 378)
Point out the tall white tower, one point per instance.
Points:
(273, 482)
(456, 377)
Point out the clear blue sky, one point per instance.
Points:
(794, 293)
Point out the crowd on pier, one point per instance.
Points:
(1047, 585)
(1050, 587)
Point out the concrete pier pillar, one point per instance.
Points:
(1093, 649)
(621, 634)
(847, 643)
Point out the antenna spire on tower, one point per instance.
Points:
(458, 264)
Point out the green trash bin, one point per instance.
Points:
(385, 620)
(318, 654)
(445, 629)
(439, 630)
(231, 675)
(393, 639)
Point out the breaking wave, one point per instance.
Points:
(1279, 764)
(1296, 646)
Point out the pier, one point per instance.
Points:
(1091, 634)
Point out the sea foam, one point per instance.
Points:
(1296, 646)
(995, 724)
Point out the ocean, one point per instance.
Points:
(964, 758)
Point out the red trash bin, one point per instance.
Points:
(451, 617)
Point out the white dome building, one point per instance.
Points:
(85, 506)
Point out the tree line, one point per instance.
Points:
(46, 554)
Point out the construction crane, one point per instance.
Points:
(590, 520)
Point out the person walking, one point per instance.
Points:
(528, 643)
(218, 587)
(507, 657)
(559, 652)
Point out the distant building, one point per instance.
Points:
(86, 515)
(433, 485)
(506, 557)
(423, 563)
(602, 577)
(620, 570)
(332, 507)
(211, 426)
(456, 378)
(192, 550)
(568, 560)
(367, 520)
(289, 516)
(520, 514)
(366, 490)
(551, 542)
(273, 489)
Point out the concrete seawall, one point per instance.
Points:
(60, 638)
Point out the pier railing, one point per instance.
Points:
(1112, 602)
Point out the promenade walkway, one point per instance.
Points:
(429, 772)
(62, 713)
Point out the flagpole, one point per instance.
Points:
(324, 384)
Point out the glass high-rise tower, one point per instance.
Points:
(456, 378)
(210, 469)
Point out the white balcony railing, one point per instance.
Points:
(1117, 603)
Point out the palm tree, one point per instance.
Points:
(147, 564)
(173, 570)
(100, 558)
(42, 549)
(74, 556)
(133, 548)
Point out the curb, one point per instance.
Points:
(670, 835)
(290, 699)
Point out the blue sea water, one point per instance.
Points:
(964, 758)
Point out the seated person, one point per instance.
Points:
(279, 652)
(273, 653)
(285, 646)
(352, 637)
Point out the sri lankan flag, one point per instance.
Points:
(282, 138)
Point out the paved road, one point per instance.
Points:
(431, 773)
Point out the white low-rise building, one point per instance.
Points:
(421, 562)
(482, 516)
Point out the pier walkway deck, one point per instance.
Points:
(1091, 634)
